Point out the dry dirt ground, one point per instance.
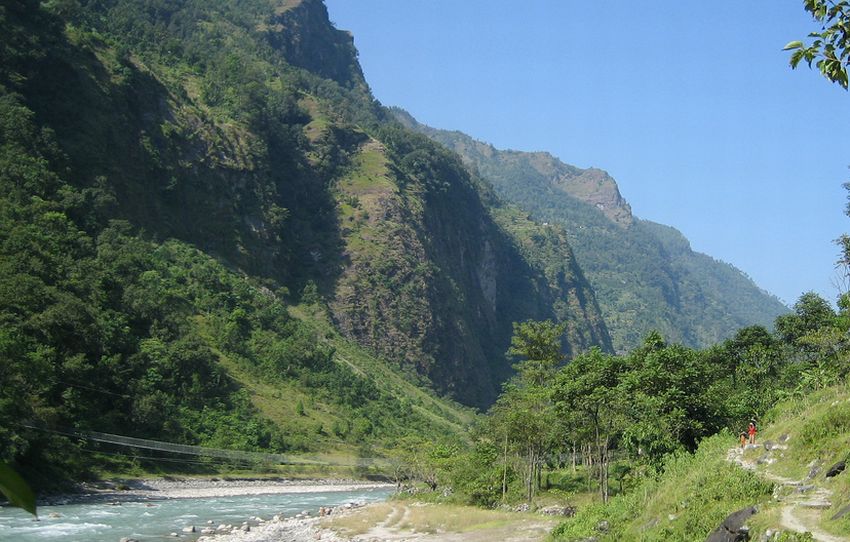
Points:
(399, 521)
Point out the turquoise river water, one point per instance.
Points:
(154, 520)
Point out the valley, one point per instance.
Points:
(224, 264)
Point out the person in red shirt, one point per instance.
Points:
(752, 432)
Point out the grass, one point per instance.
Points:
(453, 416)
(432, 518)
(817, 428)
(318, 121)
(686, 502)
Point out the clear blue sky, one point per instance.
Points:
(691, 106)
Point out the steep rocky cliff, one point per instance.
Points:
(435, 276)
(299, 29)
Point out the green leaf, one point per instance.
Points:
(793, 45)
(16, 489)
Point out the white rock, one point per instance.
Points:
(189, 529)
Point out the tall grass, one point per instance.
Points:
(688, 500)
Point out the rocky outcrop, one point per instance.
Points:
(836, 469)
(733, 529)
(599, 189)
(301, 31)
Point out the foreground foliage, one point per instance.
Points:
(690, 497)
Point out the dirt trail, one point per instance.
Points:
(396, 528)
(801, 507)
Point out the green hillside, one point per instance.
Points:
(784, 477)
(211, 233)
(645, 275)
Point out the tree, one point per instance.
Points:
(540, 344)
(811, 312)
(670, 405)
(587, 388)
(524, 413)
(830, 48)
(745, 347)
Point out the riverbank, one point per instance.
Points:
(124, 490)
(297, 529)
(396, 521)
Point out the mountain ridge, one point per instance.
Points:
(645, 278)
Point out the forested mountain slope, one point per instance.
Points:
(175, 176)
(645, 275)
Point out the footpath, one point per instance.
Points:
(802, 503)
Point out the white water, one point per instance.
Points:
(155, 520)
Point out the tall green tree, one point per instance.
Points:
(586, 390)
(670, 407)
(524, 414)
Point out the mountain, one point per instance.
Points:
(211, 233)
(645, 275)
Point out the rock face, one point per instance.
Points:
(732, 529)
(435, 275)
(599, 189)
(301, 31)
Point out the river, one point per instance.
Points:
(155, 520)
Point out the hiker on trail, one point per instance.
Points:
(743, 438)
(752, 431)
